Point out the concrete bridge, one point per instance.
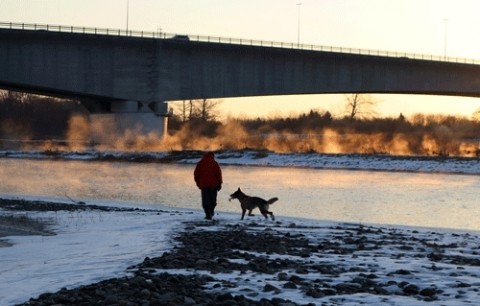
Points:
(113, 71)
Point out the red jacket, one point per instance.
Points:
(207, 173)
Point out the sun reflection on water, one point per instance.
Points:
(417, 199)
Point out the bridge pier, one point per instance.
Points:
(130, 124)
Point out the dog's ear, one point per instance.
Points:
(238, 189)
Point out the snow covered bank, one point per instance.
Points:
(347, 264)
(458, 165)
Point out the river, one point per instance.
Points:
(373, 197)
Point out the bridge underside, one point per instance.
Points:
(119, 74)
(108, 68)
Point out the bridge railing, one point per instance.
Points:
(234, 41)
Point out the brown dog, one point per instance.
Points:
(250, 203)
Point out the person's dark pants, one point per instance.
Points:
(209, 201)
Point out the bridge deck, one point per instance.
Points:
(235, 41)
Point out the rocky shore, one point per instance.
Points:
(221, 263)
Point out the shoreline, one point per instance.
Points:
(202, 255)
(348, 162)
(232, 262)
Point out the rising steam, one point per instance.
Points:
(232, 135)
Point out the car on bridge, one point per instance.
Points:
(181, 37)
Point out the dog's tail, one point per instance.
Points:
(272, 200)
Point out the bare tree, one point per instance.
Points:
(476, 115)
(191, 110)
(198, 109)
(186, 110)
(208, 109)
(360, 105)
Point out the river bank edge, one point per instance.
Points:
(239, 249)
(367, 162)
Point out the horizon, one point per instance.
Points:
(335, 105)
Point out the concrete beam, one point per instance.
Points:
(108, 68)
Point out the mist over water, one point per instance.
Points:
(232, 135)
(429, 200)
(73, 129)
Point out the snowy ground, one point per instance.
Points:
(90, 246)
(430, 164)
(351, 162)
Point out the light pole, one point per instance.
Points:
(299, 4)
(128, 9)
(445, 38)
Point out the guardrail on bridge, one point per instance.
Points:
(236, 41)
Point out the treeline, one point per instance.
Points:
(317, 121)
(26, 118)
(321, 132)
(32, 117)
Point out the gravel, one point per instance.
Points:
(211, 249)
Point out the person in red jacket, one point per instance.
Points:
(208, 177)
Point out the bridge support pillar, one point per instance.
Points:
(130, 125)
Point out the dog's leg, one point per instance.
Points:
(250, 212)
(266, 213)
(243, 213)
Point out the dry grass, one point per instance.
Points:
(22, 225)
